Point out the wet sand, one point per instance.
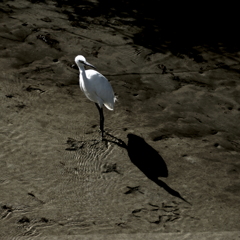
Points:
(170, 160)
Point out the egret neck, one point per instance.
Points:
(82, 78)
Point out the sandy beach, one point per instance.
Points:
(170, 162)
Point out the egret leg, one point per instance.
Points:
(101, 118)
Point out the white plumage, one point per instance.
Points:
(96, 87)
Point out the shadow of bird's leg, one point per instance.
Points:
(117, 141)
(101, 118)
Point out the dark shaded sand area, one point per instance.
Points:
(170, 163)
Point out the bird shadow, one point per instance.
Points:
(147, 159)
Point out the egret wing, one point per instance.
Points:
(102, 88)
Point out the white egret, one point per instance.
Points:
(96, 88)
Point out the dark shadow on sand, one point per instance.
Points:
(164, 25)
(147, 159)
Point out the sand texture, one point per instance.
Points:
(170, 162)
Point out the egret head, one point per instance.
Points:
(81, 61)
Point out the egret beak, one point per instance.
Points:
(88, 64)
